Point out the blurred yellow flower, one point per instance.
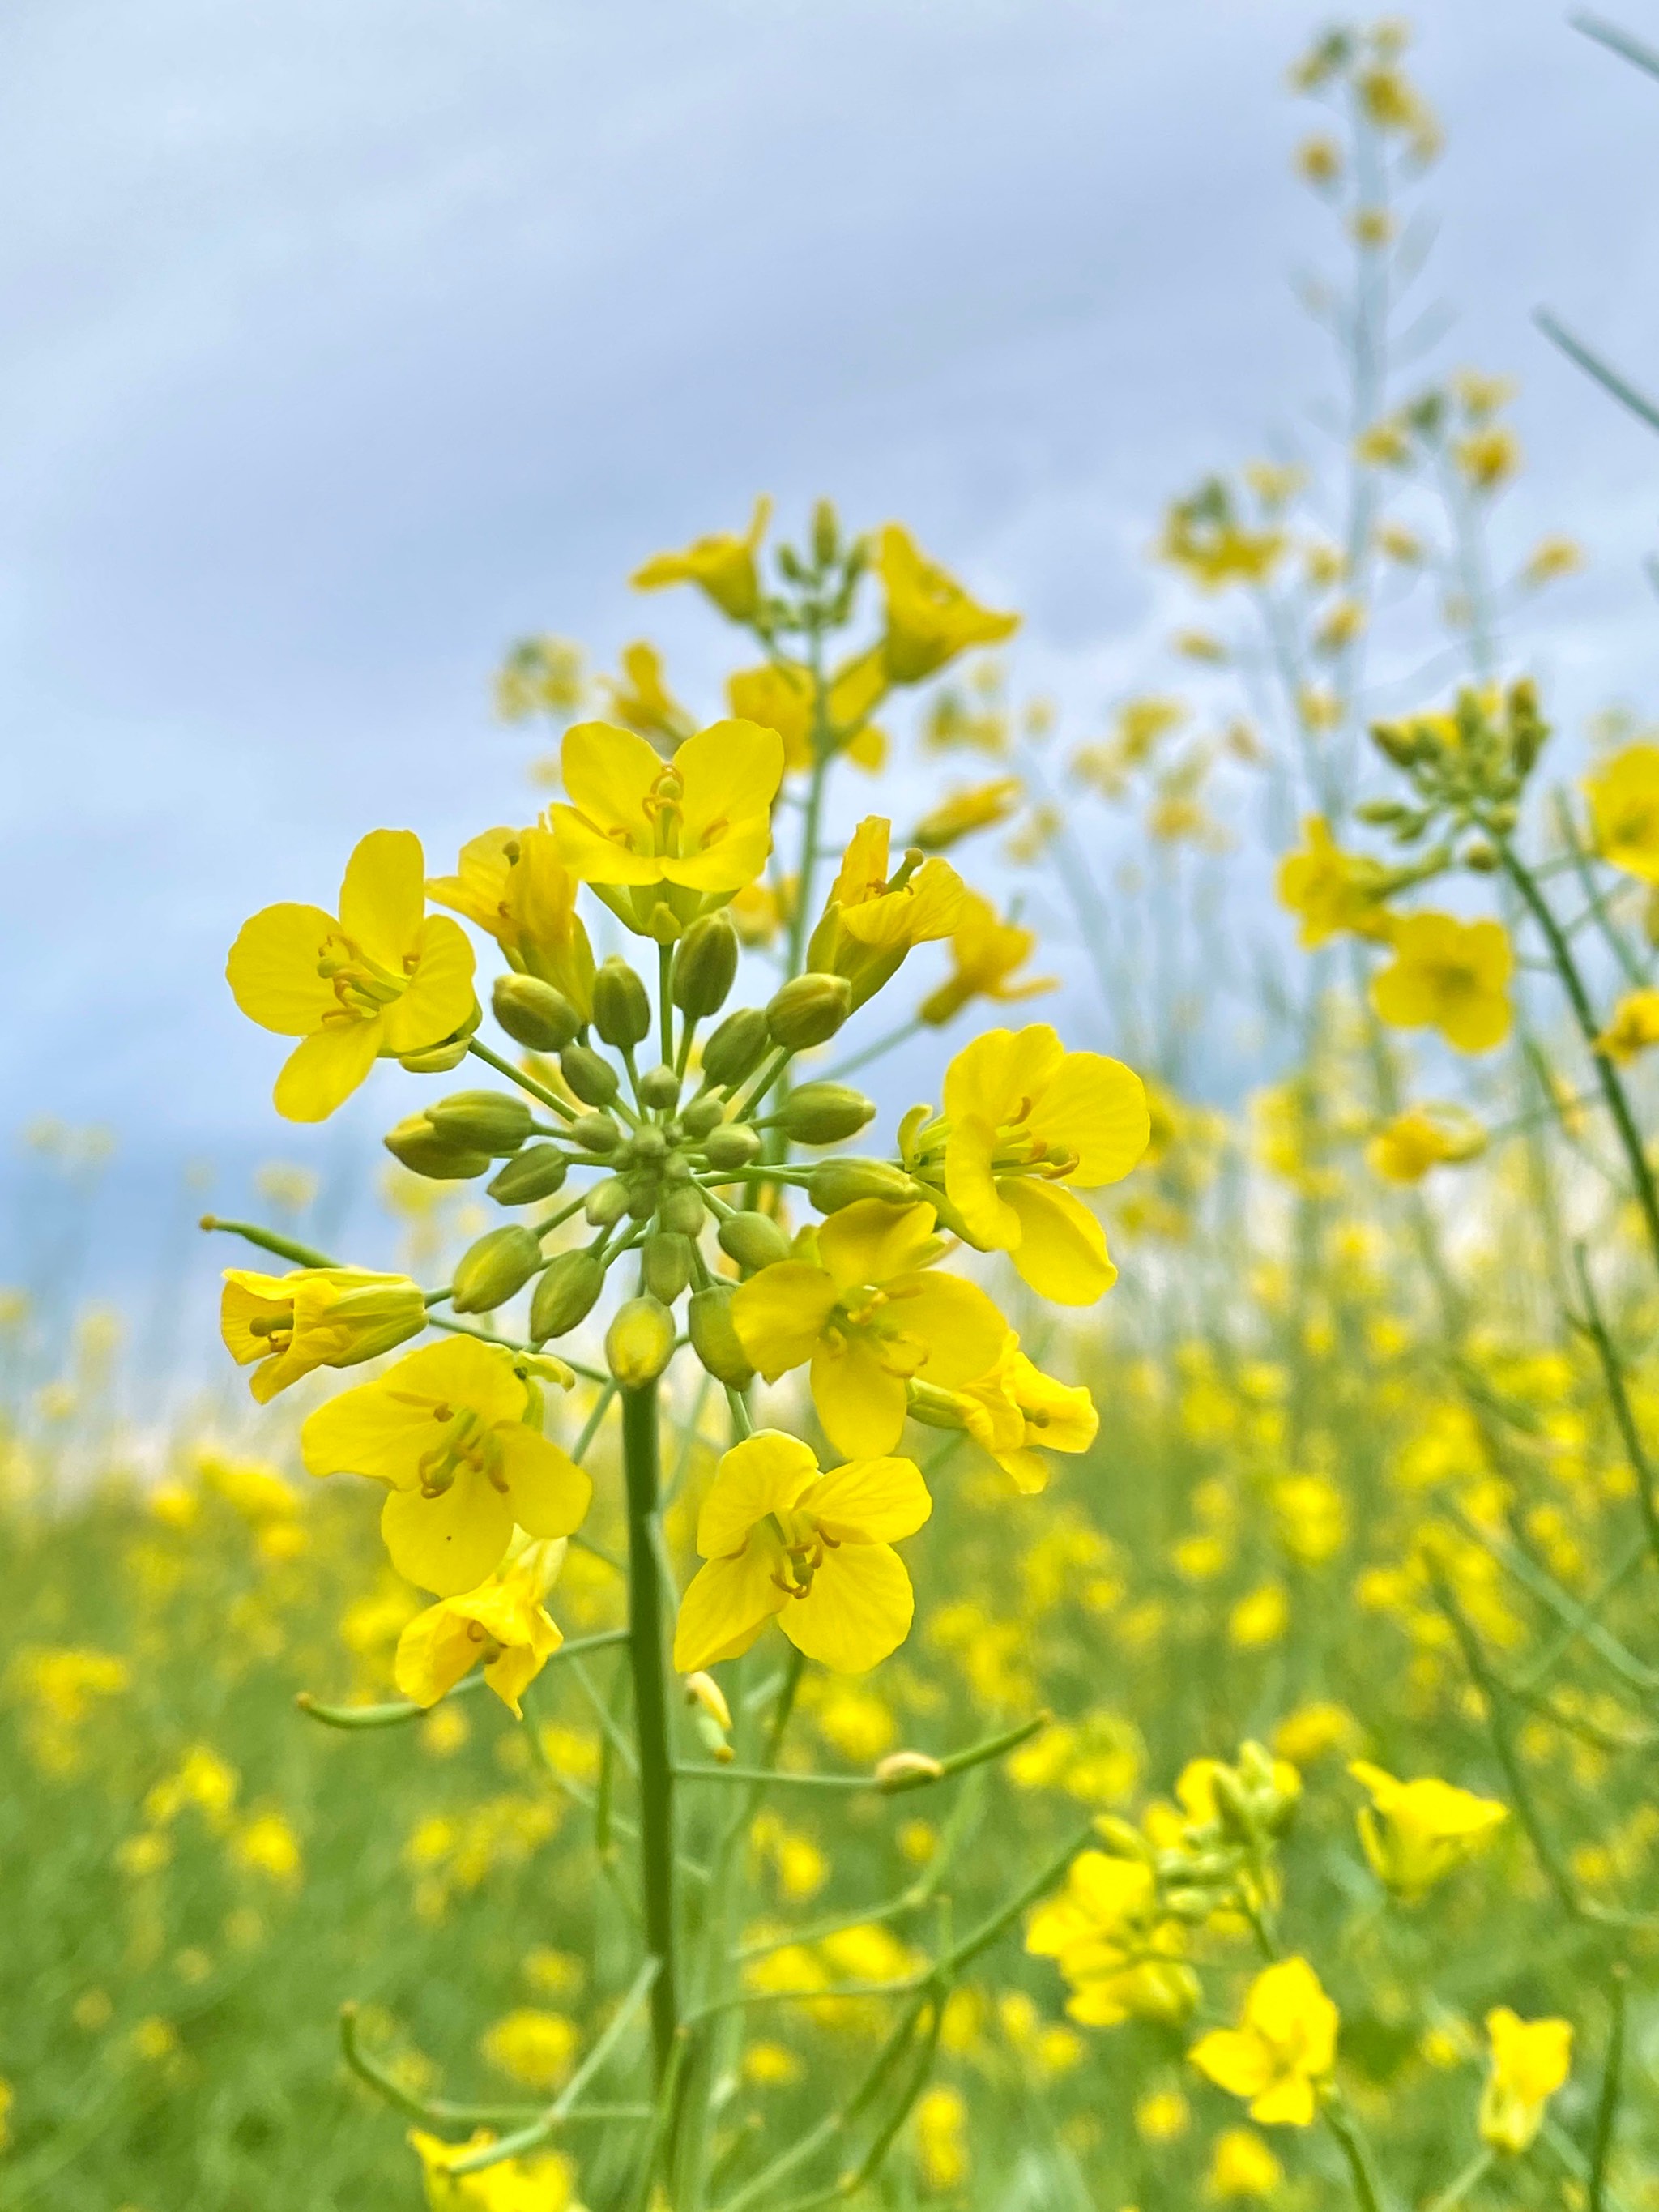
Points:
(985, 952)
(1332, 891)
(503, 1622)
(641, 699)
(1314, 1730)
(1162, 2116)
(1623, 804)
(1530, 2061)
(268, 1845)
(930, 617)
(544, 2183)
(201, 1782)
(1449, 975)
(873, 920)
(1488, 457)
(1241, 2167)
(315, 1318)
(513, 884)
(542, 674)
(536, 2048)
(1284, 2050)
(1634, 1028)
(1404, 1149)
(722, 565)
(1415, 1833)
(968, 808)
(941, 2128)
(384, 978)
(778, 694)
(1550, 558)
(1121, 1959)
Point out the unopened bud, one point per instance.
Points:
(715, 1341)
(754, 1240)
(666, 1265)
(437, 1059)
(534, 1014)
(639, 1342)
(702, 1115)
(595, 1132)
(535, 1173)
(823, 1114)
(907, 1770)
(1234, 1809)
(495, 1268)
(416, 1145)
(484, 1121)
(733, 1146)
(835, 1184)
(590, 1077)
(734, 1050)
(606, 1203)
(826, 532)
(644, 1187)
(705, 965)
(808, 1010)
(681, 1210)
(704, 1692)
(622, 1007)
(659, 1089)
(567, 1293)
(1121, 1837)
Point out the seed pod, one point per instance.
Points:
(705, 966)
(567, 1293)
(484, 1121)
(606, 1203)
(666, 1265)
(713, 1339)
(659, 1089)
(825, 1113)
(836, 1183)
(495, 1268)
(595, 1132)
(534, 1014)
(536, 1173)
(419, 1147)
(622, 1007)
(702, 1115)
(639, 1342)
(808, 1010)
(590, 1077)
(734, 1050)
(682, 1210)
(733, 1146)
(754, 1240)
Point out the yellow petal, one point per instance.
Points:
(1233, 2061)
(860, 1405)
(972, 1189)
(870, 1241)
(597, 859)
(439, 996)
(609, 773)
(1061, 1252)
(1097, 1108)
(726, 1606)
(447, 1544)
(323, 1070)
(765, 1473)
(462, 1371)
(993, 1075)
(780, 1314)
(858, 1610)
(730, 772)
(511, 1674)
(383, 897)
(729, 862)
(272, 970)
(434, 1652)
(369, 1431)
(961, 1330)
(1287, 2104)
(547, 1491)
(871, 1501)
(479, 883)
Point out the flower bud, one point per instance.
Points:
(907, 1770)
(836, 1183)
(754, 1240)
(590, 1076)
(1121, 1837)
(606, 1203)
(534, 1014)
(659, 1089)
(733, 1146)
(933, 1407)
(682, 1210)
(823, 1114)
(537, 1172)
(484, 1121)
(437, 1059)
(622, 1007)
(639, 1342)
(567, 1293)
(594, 1132)
(666, 1265)
(644, 1187)
(705, 966)
(416, 1145)
(734, 1050)
(495, 1268)
(715, 1341)
(702, 1115)
(808, 1010)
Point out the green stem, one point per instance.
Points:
(1473, 2174)
(1341, 2124)
(550, 1099)
(1619, 1397)
(648, 1660)
(303, 1256)
(1607, 2107)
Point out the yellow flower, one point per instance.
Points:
(1530, 2060)
(541, 674)
(1023, 1117)
(781, 1541)
(1331, 890)
(870, 1317)
(1119, 1959)
(722, 565)
(1282, 2053)
(513, 884)
(779, 696)
(503, 1622)
(1203, 535)
(267, 1844)
(448, 1430)
(1241, 2167)
(1624, 803)
(941, 2126)
(384, 978)
(930, 618)
(1314, 1730)
(314, 1317)
(641, 699)
(979, 806)
(872, 920)
(1010, 1410)
(1449, 975)
(536, 2048)
(546, 2183)
(699, 824)
(1487, 456)
(1550, 558)
(1415, 1833)
(1404, 1149)
(986, 951)
(1634, 1027)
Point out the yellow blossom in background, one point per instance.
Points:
(1332, 891)
(783, 1541)
(447, 1431)
(201, 1782)
(1404, 1149)
(778, 694)
(537, 2048)
(1530, 2061)
(268, 1845)
(941, 2134)
(1242, 2168)
(872, 918)
(1550, 558)
(513, 885)
(503, 1622)
(544, 2182)
(639, 698)
(542, 675)
(760, 911)
(1312, 1517)
(722, 565)
(1634, 1028)
(1487, 458)
(1282, 2052)
(984, 952)
(1121, 1959)
(1623, 806)
(930, 618)
(966, 809)
(1319, 161)
(1315, 1731)
(1449, 975)
(290, 1325)
(1162, 2116)
(1415, 1833)
(384, 978)
(252, 1487)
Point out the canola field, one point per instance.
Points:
(1087, 1646)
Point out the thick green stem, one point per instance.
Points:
(649, 1663)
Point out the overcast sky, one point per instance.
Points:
(346, 343)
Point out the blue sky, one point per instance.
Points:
(346, 344)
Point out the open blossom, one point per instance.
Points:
(1634, 1028)
(1405, 1148)
(544, 2182)
(722, 565)
(1283, 2052)
(1331, 891)
(1416, 1833)
(778, 694)
(1623, 806)
(930, 617)
(985, 952)
(965, 811)
(448, 1431)
(872, 918)
(1121, 1958)
(292, 1324)
(503, 1622)
(1449, 975)
(639, 698)
(513, 884)
(384, 978)
(1530, 2061)
(1012, 1409)
(812, 1551)
(870, 1314)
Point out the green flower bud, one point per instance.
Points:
(666, 1265)
(659, 1090)
(836, 1183)
(682, 1210)
(533, 1174)
(823, 1114)
(734, 1050)
(484, 1121)
(639, 1342)
(534, 1014)
(808, 1010)
(648, 1146)
(437, 1059)
(715, 1341)
(594, 1132)
(706, 966)
(419, 1147)
(590, 1077)
(622, 1007)
(606, 1203)
(754, 1240)
(702, 1115)
(567, 1293)
(644, 1188)
(495, 1268)
(733, 1146)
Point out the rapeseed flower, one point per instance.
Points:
(1121, 1957)
(1634, 1028)
(930, 617)
(1623, 806)
(1530, 2060)
(871, 919)
(546, 2183)
(1449, 975)
(965, 811)
(722, 565)
(315, 1318)
(503, 1622)
(985, 952)
(781, 1541)
(384, 978)
(1332, 891)
(1415, 1833)
(448, 1431)
(1405, 1148)
(1241, 2167)
(1282, 2054)
(513, 885)
(1010, 1410)
(870, 1314)
(639, 698)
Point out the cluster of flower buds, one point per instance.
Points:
(1218, 1858)
(1468, 768)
